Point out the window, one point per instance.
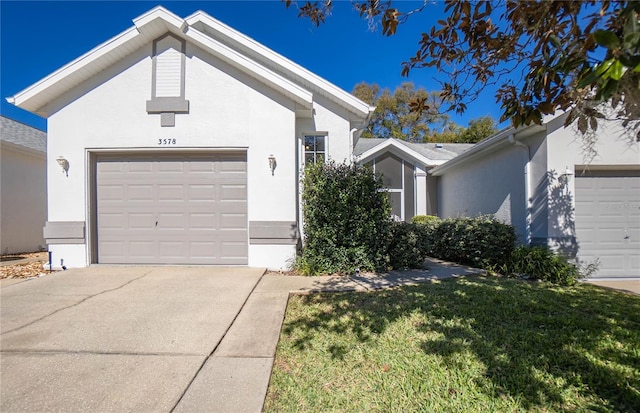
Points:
(314, 148)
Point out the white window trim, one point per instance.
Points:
(314, 133)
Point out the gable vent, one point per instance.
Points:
(168, 68)
(167, 85)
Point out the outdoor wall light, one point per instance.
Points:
(566, 175)
(64, 164)
(272, 164)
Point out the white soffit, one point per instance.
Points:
(225, 34)
(146, 27)
(488, 146)
(260, 62)
(225, 53)
(399, 147)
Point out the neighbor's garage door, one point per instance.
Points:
(608, 221)
(172, 209)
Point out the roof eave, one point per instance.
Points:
(487, 146)
(393, 143)
(327, 89)
(283, 85)
(35, 97)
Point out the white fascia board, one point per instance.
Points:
(160, 13)
(476, 151)
(40, 93)
(248, 66)
(343, 98)
(393, 143)
(487, 147)
(28, 98)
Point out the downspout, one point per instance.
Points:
(527, 186)
(351, 148)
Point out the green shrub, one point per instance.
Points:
(425, 219)
(346, 220)
(336, 260)
(407, 248)
(482, 242)
(540, 263)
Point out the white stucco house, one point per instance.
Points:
(536, 178)
(404, 167)
(23, 187)
(180, 141)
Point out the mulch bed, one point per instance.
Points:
(21, 268)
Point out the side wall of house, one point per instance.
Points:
(23, 199)
(493, 184)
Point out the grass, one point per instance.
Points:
(475, 344)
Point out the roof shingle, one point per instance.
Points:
(24, 135)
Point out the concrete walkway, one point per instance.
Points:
(627, 285)
(236, 376)
(155, 339)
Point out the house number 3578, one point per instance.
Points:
(167, 141)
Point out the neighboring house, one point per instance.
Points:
(404, 167)
(536, 178)
(23, 187)
(181, 142)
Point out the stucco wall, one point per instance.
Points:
(538, 187)
(565, 150)
(228, 109)
(495, 183)
(23, 199)
(490, 185)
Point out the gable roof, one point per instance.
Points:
(212, 36)
(429, 154)
(23, 135)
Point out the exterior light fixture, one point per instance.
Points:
(566, 175)
(272, 163)
(64, 164)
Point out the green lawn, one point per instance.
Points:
(478, 344)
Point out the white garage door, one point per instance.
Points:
(608, 221)
(172, 209)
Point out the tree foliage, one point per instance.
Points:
(582, 56)
(394, 118)
(478, 129)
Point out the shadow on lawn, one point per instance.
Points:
(534, 340)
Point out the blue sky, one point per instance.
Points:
(37, 38)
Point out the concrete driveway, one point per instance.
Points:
(114, 338)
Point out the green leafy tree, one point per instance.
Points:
(478, 129)
(394, 118)
(582, 56)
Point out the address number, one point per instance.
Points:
(167, 141)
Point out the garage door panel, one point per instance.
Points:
(143, 249)
(607, 216)
(232, 249)
(202, 192)
(232, 221)
(173, 209)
